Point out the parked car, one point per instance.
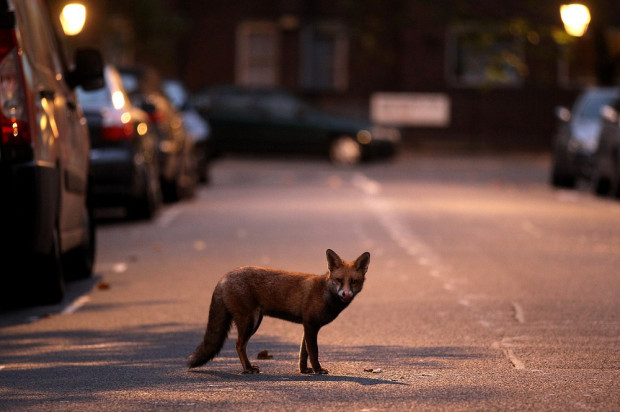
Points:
(175, 150)
(272, 121)
(197, 126)
(606, 169)
(577, 136)
(46, 227)
(123, 156)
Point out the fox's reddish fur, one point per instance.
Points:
(245, 295)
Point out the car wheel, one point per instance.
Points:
(79, 263)
(600, 183)
(345, 150)
(615, 181)
(562, 179)
(189, 175)
(149, 202)
(203, 170)
(47, 272)
(170, 190)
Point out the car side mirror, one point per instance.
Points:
(88, 71)
(301, 112)
(562, 113)
(202, 103)
(148, 107)
(609, 114)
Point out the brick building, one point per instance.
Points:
(483, 73)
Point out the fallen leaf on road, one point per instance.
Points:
(264, 354)
(103, 285)
(199, 245)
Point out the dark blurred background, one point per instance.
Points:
(497, 69)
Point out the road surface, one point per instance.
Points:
(487, 289)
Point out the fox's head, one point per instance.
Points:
(346, 278)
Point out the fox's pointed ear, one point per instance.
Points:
(362, 262)
(333, 260)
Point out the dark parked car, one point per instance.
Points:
(577, 136)
(123, 156)
(46, 226)
(175, 151)
(606, 169)
(272, 121)
(197, 127)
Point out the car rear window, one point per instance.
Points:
(93, 99)
(591, 107)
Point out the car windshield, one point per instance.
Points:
(175, 92)
(281, 104)
(230, 99)
(591, 107)
(130, 82)
(93, 99)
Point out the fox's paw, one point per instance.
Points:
(252, 369)
(321, 371)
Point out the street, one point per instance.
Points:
(487, 290)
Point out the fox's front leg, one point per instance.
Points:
(303, 356)
(310, 348)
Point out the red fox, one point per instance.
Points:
(245, 295)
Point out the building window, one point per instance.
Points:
(324, 57)
(258, 55)
(480, 56)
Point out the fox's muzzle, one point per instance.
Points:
(346, 295)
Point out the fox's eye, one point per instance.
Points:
(353, 282)
(338, 281)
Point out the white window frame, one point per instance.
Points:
(500, 63)
(257, 54)
(338, 79)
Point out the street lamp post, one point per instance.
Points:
(576, 18)
(72, 18)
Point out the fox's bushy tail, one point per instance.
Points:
(218, 327)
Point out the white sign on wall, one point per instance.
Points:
(411, 109)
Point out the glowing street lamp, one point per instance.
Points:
(576, 18)
(72, 18)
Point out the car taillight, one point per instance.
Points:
(116, 133)
(13, 113)
(156, 116)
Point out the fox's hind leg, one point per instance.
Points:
(303, 357)
(246, 327)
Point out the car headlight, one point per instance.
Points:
(589, 145)
(582, 146)
(364, 137)
(384, 133)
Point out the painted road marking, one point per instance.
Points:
(519, 313)
(75, 306)
(426, 257)
(168, 216)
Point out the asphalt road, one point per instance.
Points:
(487, 289)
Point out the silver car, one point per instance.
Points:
(47, 230)
(577, 136)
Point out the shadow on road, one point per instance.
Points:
(15, 315)
(264, 377)
(145, 362)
